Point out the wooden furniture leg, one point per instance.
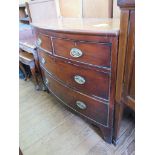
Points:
(28, 59)
(119, 108)
(33, 71)
(20, 152)
(106, 134)
(23, 70)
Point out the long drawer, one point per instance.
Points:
(94, 83)
(91, 53)
(83, 104)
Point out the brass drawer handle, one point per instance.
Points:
(39, 41)
(76, 53)
(79, 79)
(43, 61)
(46, 81)
(81, 105)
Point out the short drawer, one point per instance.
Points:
(44, 42)
(85, 105)
(91, 82)
(91, 53)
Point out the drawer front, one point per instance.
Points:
(89, 81)
(97, 54)
(44, 42)
(85, 105)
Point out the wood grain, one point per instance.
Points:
(125, 84)
(98, 54)
(98, 26)
(121, 53)
(57, 67)
(99, 84)
(45, 42)
(95, 110)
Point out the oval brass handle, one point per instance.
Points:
(46, 81)
(79, 79)
(43, 61)
(81, 105)
(39, 41)
(76, 53)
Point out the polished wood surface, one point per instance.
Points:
(28, 54)
(129, 75)
(27, 42)
(125, 85)
(96, 66)
(98, 54)
(56, 67)
(121, 62)
(98, 40)
(81, 25)
(28, 59)
(97, 9)
(126, 57)
(45, 42)
(95, 109)
(27, 39)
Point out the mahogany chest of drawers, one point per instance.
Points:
(78, 61)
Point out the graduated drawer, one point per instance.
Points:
(85, 105)
(91, 53)
(44, 41)
(92, 82)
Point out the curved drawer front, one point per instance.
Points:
(85, 105)
(44, 42)
(97, 54)
(85, 80)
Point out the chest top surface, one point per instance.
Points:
(81, 25)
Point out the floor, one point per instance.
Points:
(47, 128)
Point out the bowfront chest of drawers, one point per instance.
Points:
(78, 62)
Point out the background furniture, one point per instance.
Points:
(89, 8)
(28, 54)
(27, 41)
(85, 8)
(23, 17)
(125, 85)
(20, 152)
(28, 59)
(40, 10)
